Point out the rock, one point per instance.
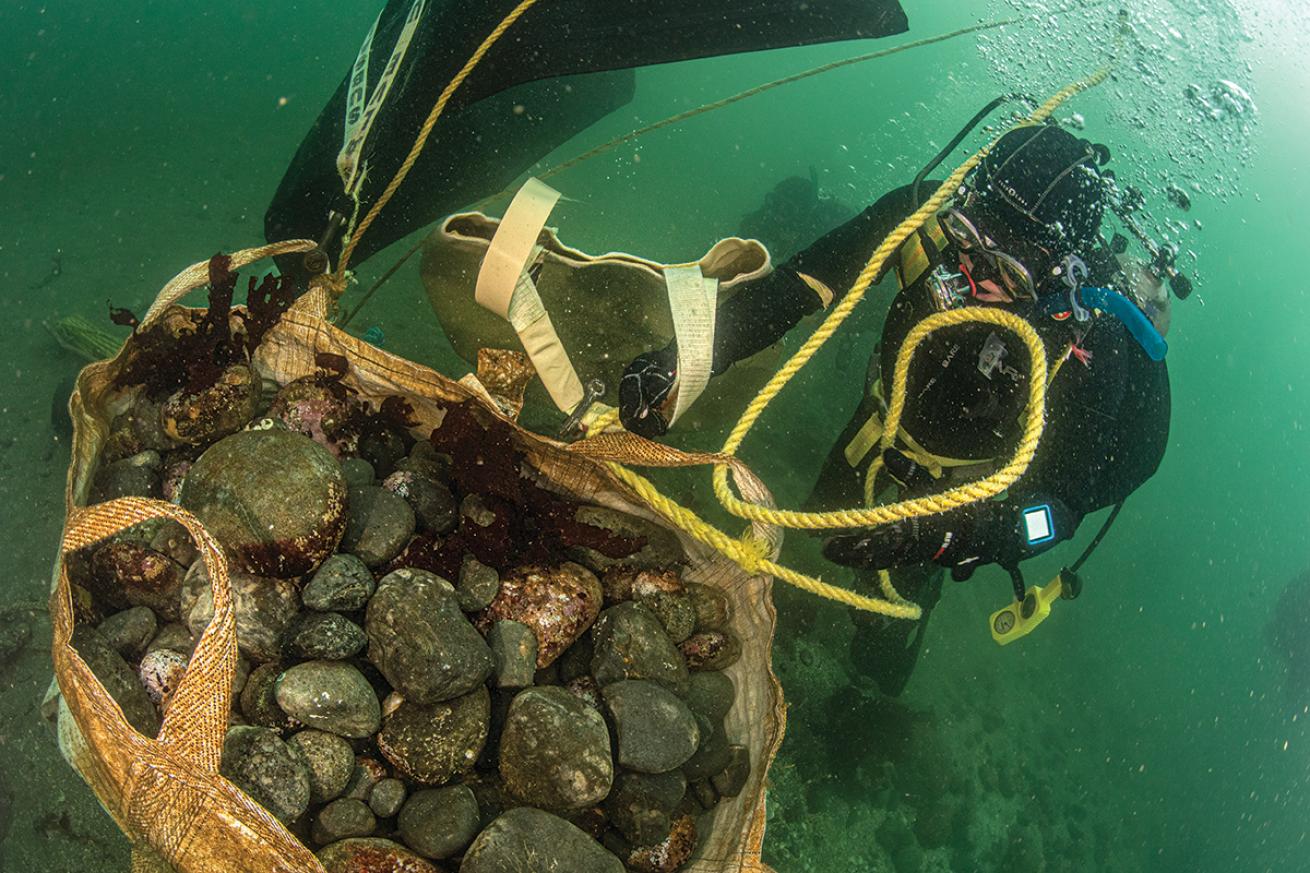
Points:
(641, 806)
(661, 550)
(433, 504)
(259, 698)
(420, 640)
(710, 694)
(357, 472)
(478, 585)
(527, 840)
(221, 409)
(172, 478)
(137, 476)
(328, 636)
(711, 605)
(343, 583)
(387, 797)
(117, 678)
(557, 603)
(711, 650)
(137, 429)
(382, 447)
(161, 672)
(555, 751)
(585, 689)
(321, 410)
(675, 612)
(341, 819)
(433, 744)
(655, 731)
(274, 774)
(175, 636)
(732, 780)
(330, 760)
(426, 461)
(439, 822)
(175, 541)
(127, 573)
(630, 643)
(365, 776)
(514, 651)
(330, 696)
(711, 758)
(622, 582)
(378, 525)
(265, 609)
(371, 855)
(576, 660)
(670, 854)
(909, 859)
(130, 631)
(282, 531)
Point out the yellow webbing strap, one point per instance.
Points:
(913, 260)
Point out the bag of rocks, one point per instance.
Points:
(319, 608)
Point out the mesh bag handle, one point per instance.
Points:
(166, 791)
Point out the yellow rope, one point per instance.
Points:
(421, 140)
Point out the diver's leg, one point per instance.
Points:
(886, 649)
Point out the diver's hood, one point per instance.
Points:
(561, 67)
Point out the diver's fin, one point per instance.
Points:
(564, 65)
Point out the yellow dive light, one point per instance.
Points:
(1019, 618)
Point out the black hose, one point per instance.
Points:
(957, 139)
(1100, 535)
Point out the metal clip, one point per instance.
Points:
(1075, 273)
(573, 428)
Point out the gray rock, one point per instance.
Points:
(365, 776)
(433, 744)
(576, 660)
(342, 819)
(629, 642)
(137, 476)
(330, 696)
(426, 461)
(387, 797)
(259, 698)
(641, 806)
(175, 636)
(342, 583)
(654, 730)
(378, 526)
(265, 608)
(711, 758)
(283, 531)
(357, 472)
(527, 840)
(439, 822)
(478, 585)
(372, 855)
(433, 504)
(514, 651)
(711, 606)
(675, 611)
(130, 631)
(420, 640)
(710, 694)
(328, 636)
(662, 548)
(711, 650)
(330, 760)
(383, 448)
(555, 751)
(732, 780)
(117, 678)
(274, 774)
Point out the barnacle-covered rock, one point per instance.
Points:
(371, 855)
(330, 696)
(223, 408)
(274, 774)
(434, 744)
(557, 603)
(161, 672)
(127, 573)
(319, 408)
(629, 642)
(265, 609)
(555, 751)
(530, 839)
(669, 854)
(711, 650)
(275, 500)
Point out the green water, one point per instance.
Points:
(1149, 726)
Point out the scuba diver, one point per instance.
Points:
(793, 214)
(1022, 233)
(562, 66)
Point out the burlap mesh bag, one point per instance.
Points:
(165, 792)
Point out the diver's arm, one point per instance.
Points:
(763, 312)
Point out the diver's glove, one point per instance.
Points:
(645, 392)
(990, 532)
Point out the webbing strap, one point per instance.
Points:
(360, 115)
(692, 301)
(505, 288)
